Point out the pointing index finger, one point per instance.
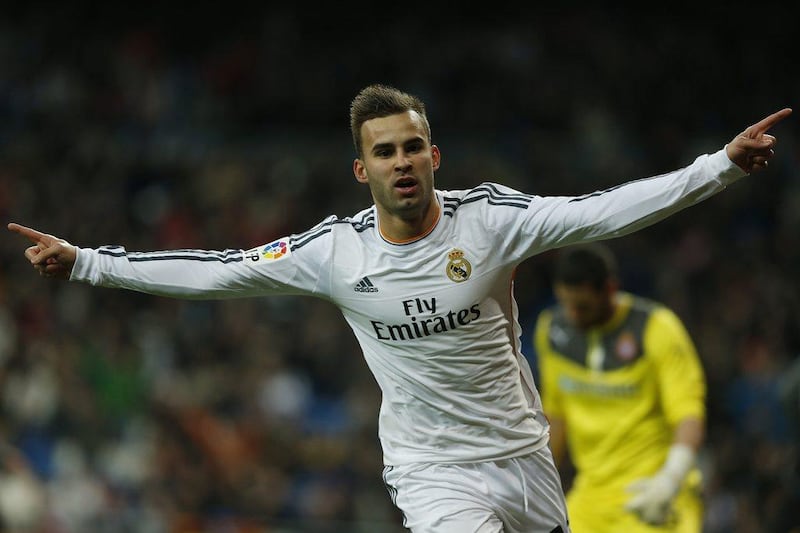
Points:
(25, 231)
(766, 123)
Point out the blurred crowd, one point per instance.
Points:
(125, 413)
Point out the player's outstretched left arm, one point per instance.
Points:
(752, 149)
(51, 256)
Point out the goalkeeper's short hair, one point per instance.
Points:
(591, 263)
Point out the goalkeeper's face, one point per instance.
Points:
(584, 305)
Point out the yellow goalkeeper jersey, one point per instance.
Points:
(620, 388)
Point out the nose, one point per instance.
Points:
(403, 162)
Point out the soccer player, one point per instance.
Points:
(624, 391)
(424, 279)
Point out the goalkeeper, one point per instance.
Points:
(624, 390)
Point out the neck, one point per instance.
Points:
(397, 229)
(610, 313)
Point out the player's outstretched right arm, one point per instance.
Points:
(173, 273)
(273, 268)
(50, 256)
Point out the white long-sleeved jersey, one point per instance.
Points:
(436, 318)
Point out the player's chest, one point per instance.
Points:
(447, 280)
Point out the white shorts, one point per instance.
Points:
(519, 495)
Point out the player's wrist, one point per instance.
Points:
(680, 460)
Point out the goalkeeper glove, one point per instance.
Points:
(652, 497)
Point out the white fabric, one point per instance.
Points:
(438, 330)
(517, 495)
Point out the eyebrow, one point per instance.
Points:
(381, 146)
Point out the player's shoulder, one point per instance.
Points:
(642, 304)
(360, 221)
(481, 187)
(332, 226)
(656, 312)
(546, 315)
(488, 194)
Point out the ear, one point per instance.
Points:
(612, 286)
(360, 171)
(436, 157)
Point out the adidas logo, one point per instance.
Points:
(365, 285)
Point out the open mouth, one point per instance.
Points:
(407, 185)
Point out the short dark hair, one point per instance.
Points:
(591, 263)
(377, 101)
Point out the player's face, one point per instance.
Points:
(398, 165)
(585, 306)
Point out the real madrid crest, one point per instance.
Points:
(458, 269)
